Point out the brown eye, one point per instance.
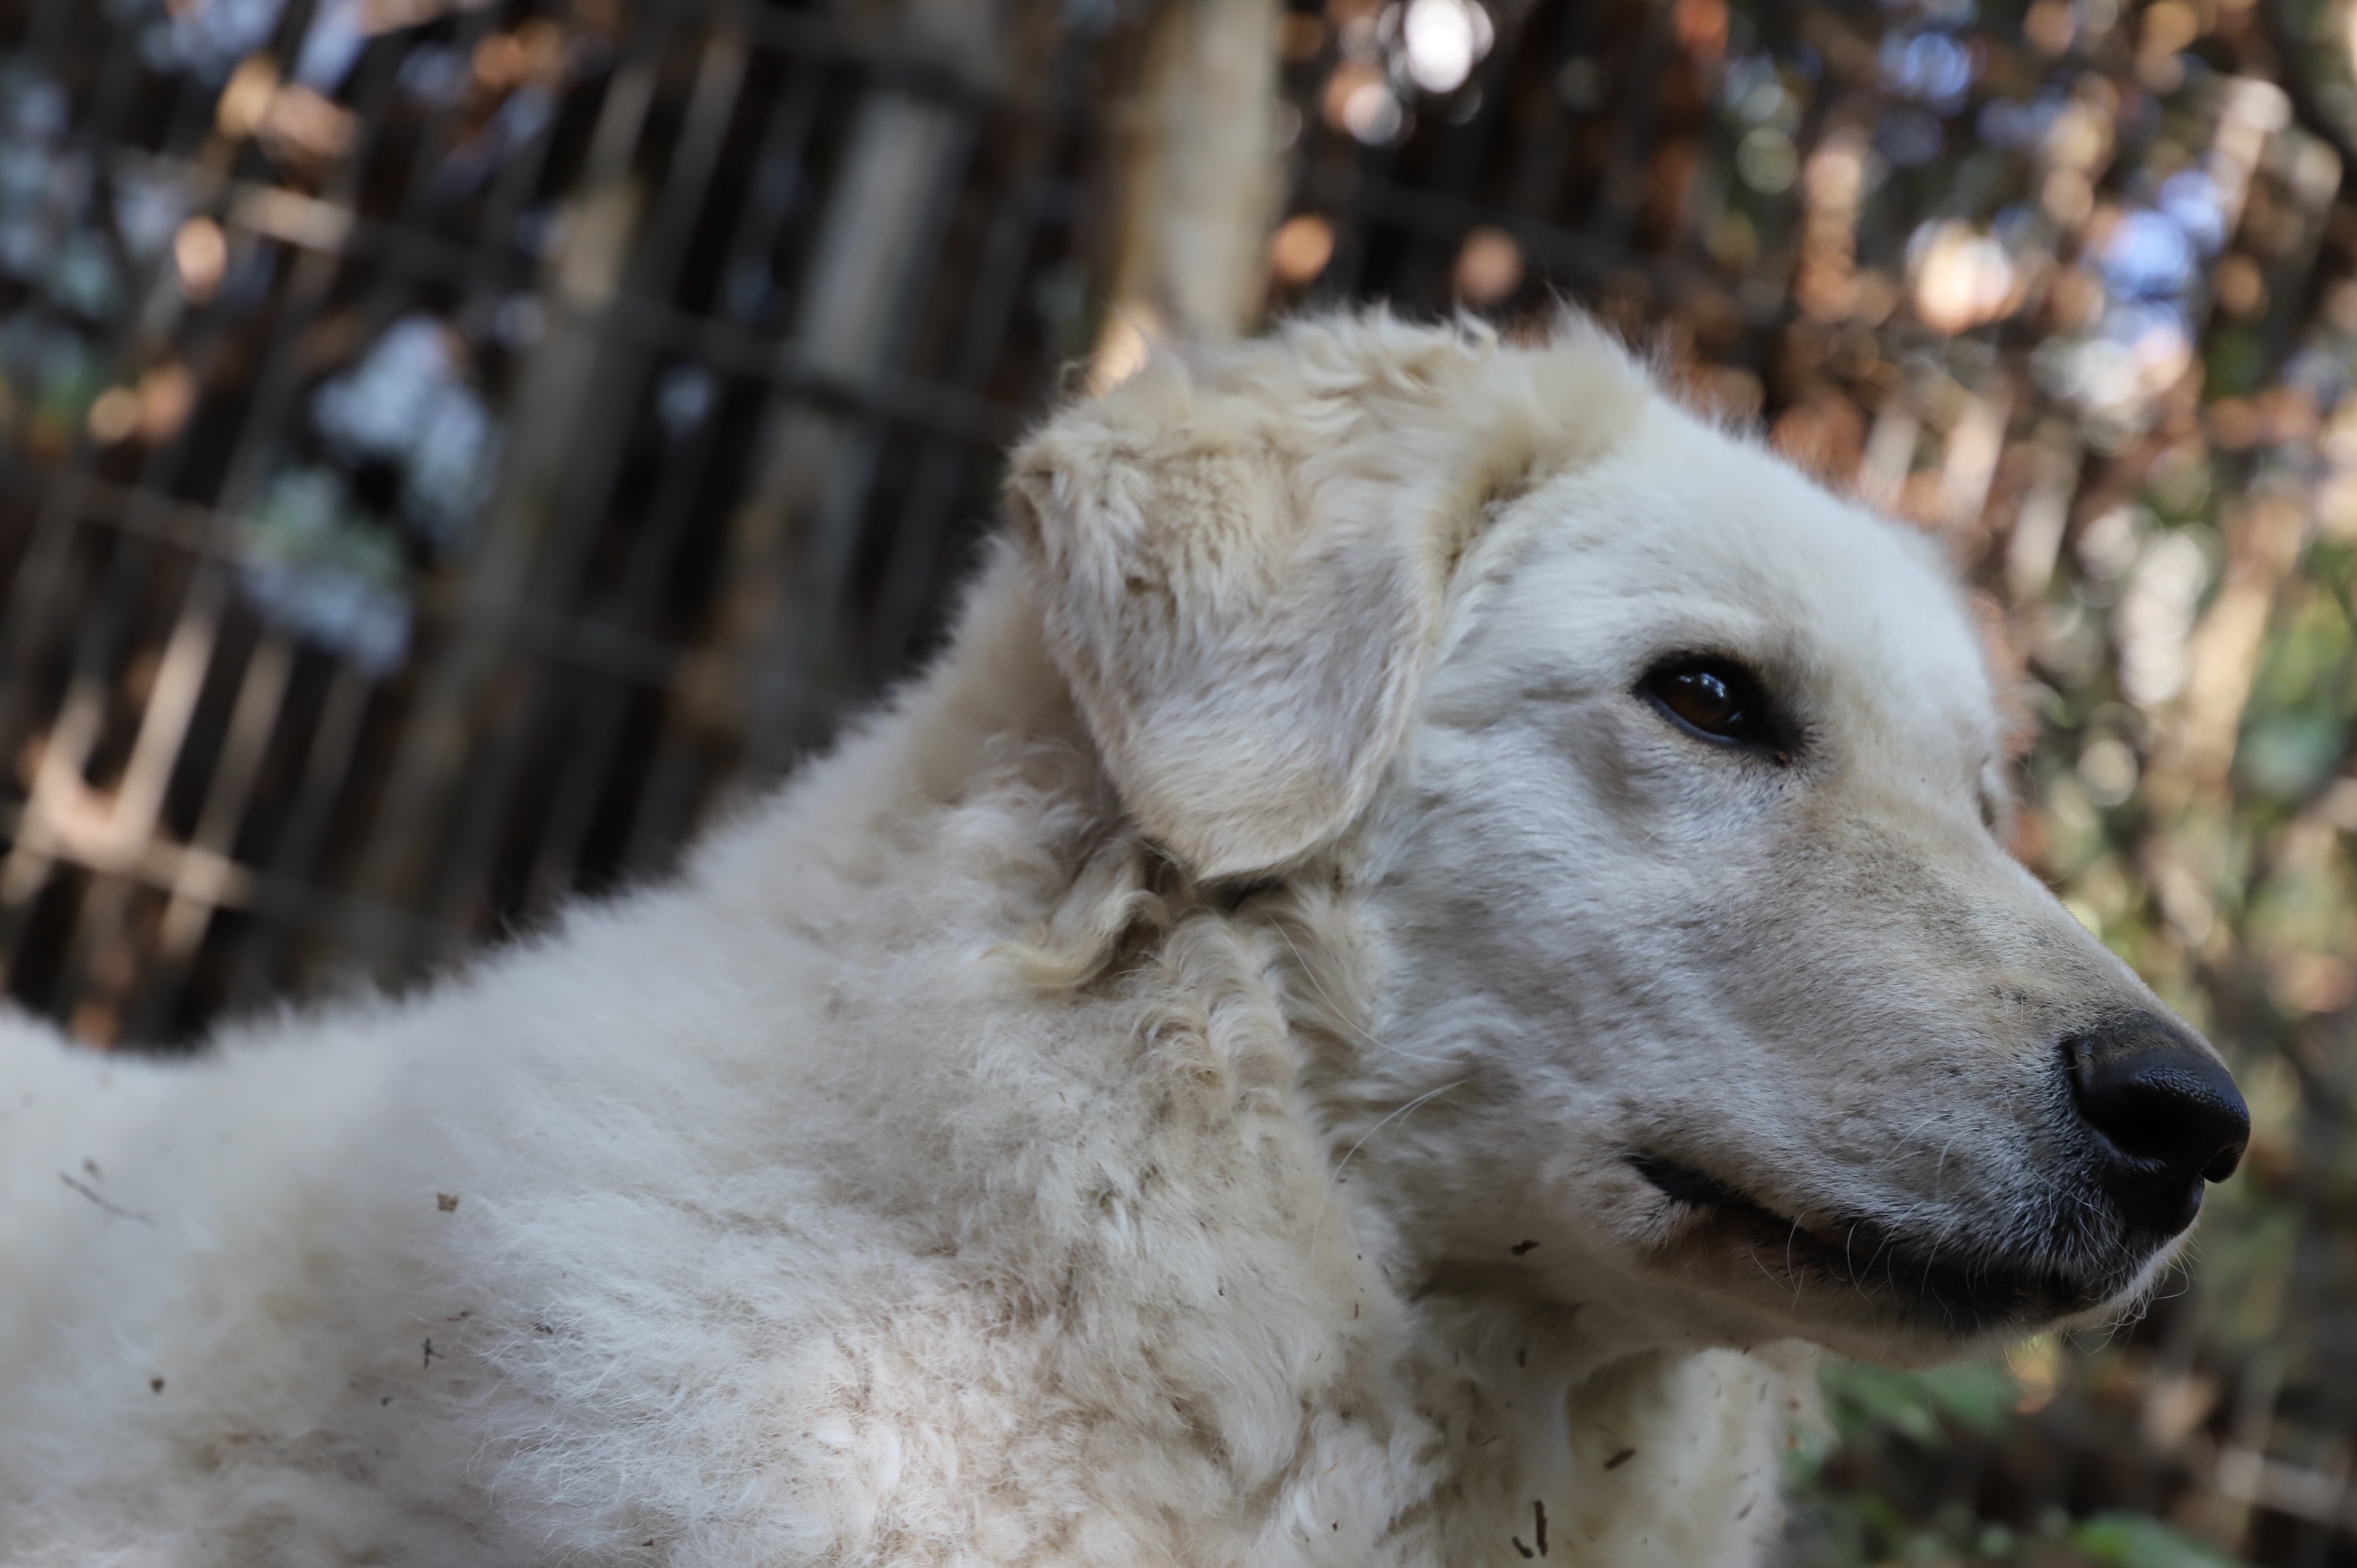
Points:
(1718, 700)
(1701, 698)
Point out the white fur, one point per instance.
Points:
(1162, 1092)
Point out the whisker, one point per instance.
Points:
(1334, 1178)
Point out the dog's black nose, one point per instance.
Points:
(2169, 1117)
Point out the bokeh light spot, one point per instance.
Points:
(1302, 247)
(1489, 267)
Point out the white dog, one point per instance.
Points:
(1437, 902)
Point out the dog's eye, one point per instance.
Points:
(1704, 698)
(1718, 700)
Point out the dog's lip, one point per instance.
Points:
(1690, 1186)
(1967, 1297)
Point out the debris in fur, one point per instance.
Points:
(96, 1196)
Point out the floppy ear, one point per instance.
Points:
(1242, 560)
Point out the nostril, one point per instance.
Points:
(2169, 1113)
(2166, 1109)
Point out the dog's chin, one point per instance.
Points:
(1863, 1287)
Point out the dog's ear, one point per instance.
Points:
(1242, 558)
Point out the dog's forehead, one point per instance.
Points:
(1685, 539)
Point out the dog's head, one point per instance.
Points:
(1707, 998)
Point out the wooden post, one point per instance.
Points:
(1199, 186)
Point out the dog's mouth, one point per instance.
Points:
(1962, 1292)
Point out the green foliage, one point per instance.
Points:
(1848, 1517)
(2134, 1540)
(1866, 1402)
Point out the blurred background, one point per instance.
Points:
(450, 447)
